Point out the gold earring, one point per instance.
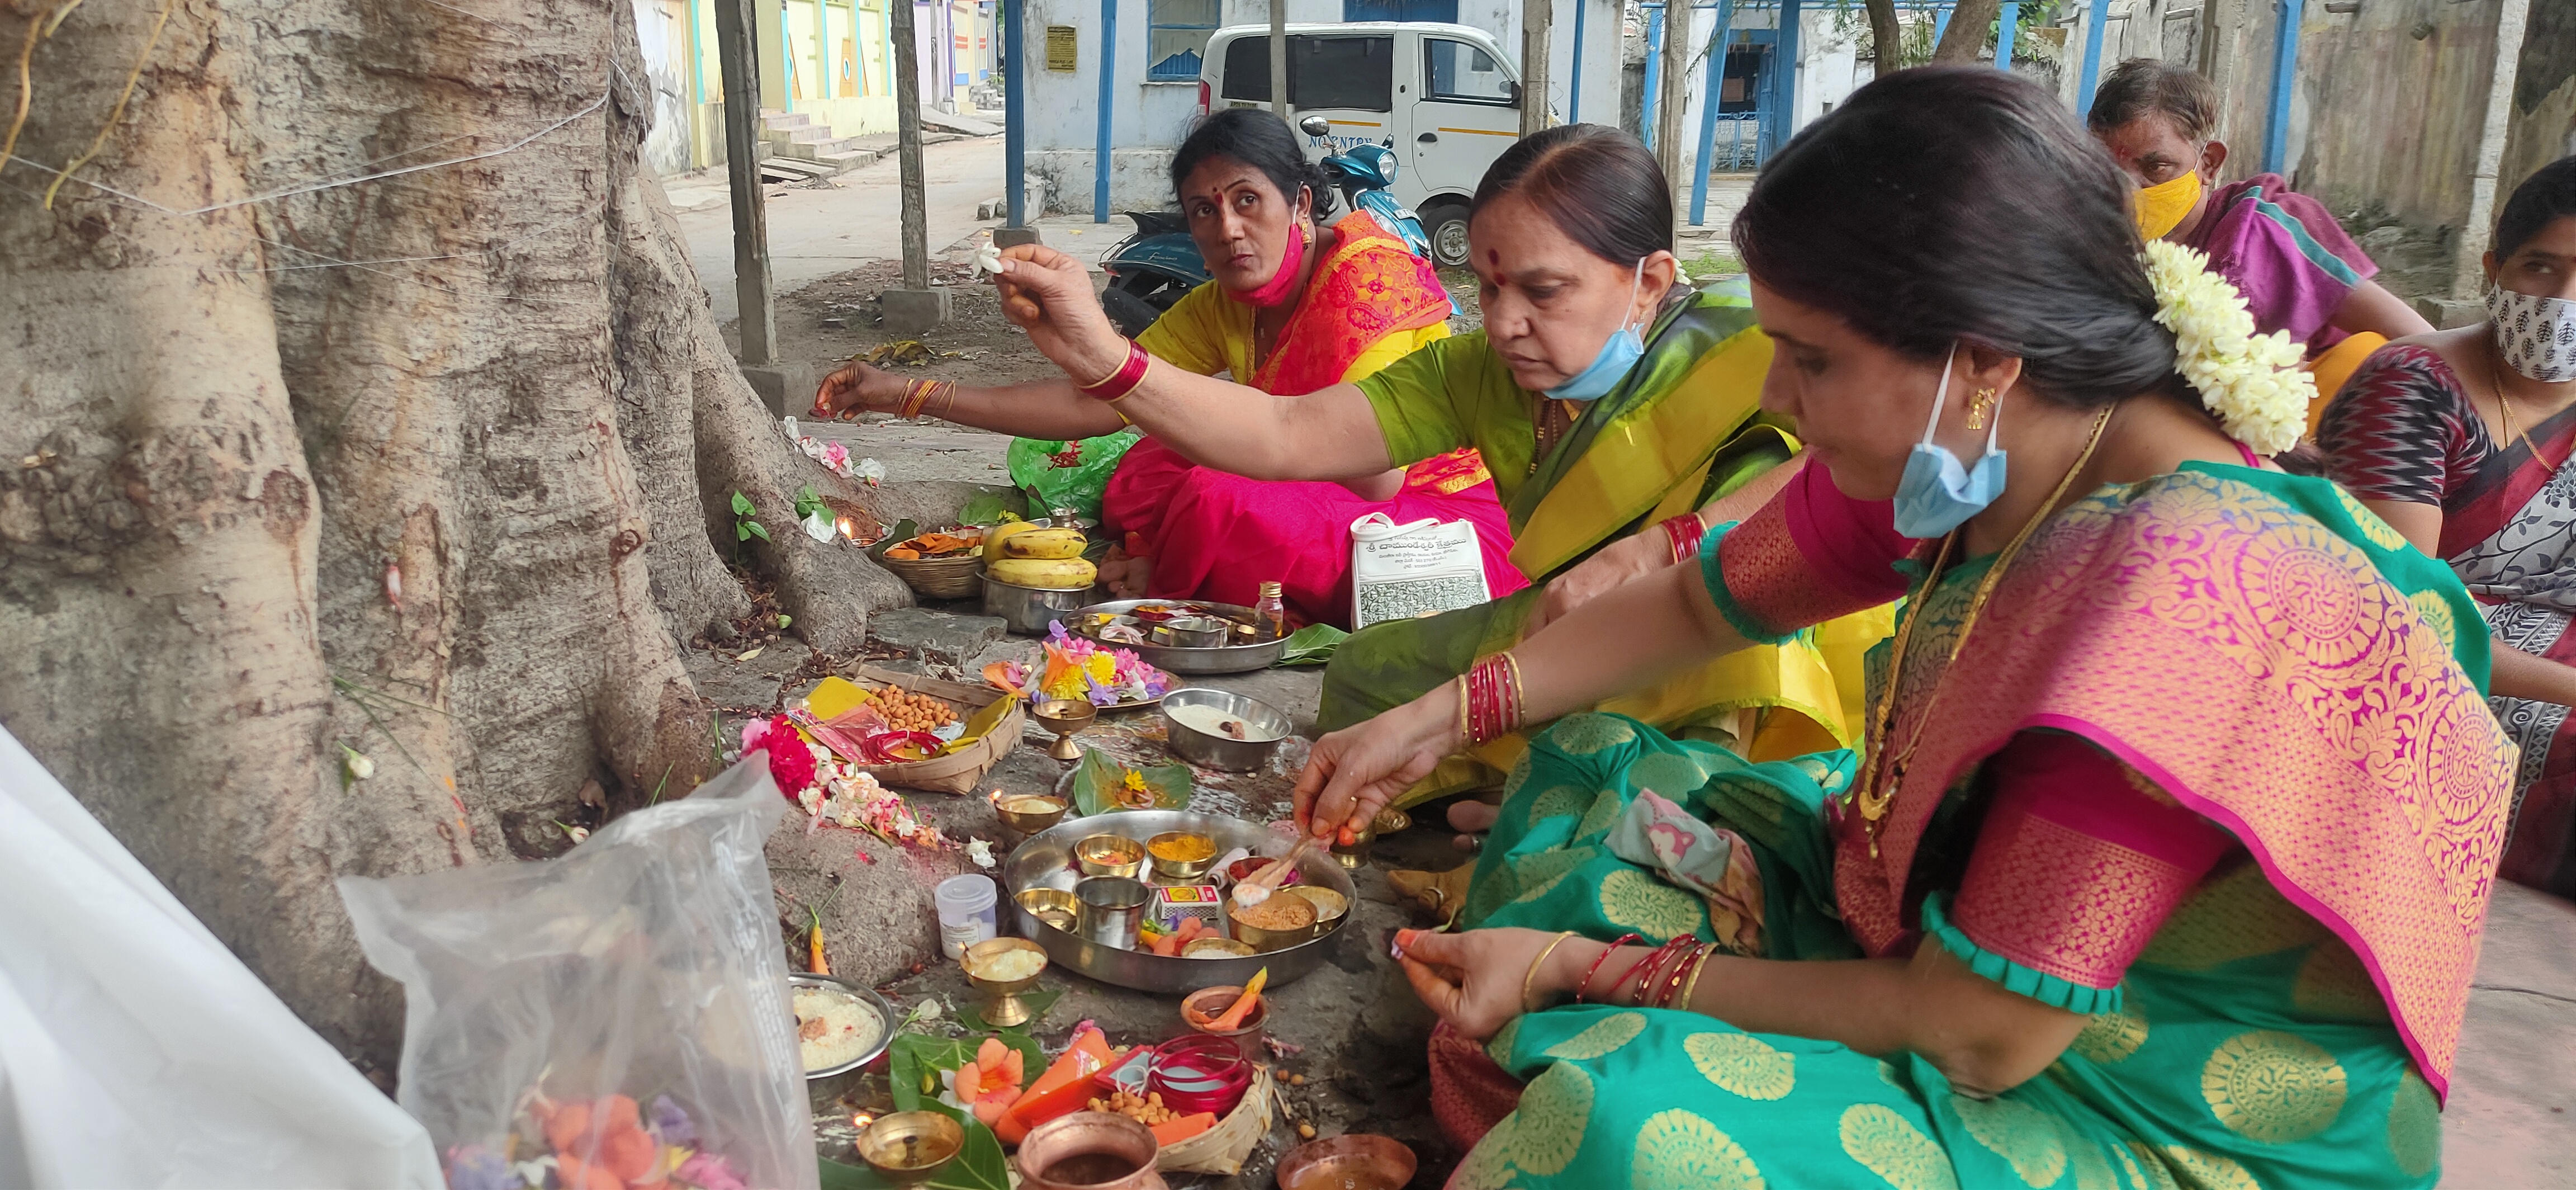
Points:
(1981, 407)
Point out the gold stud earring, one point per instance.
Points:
(1980, 408)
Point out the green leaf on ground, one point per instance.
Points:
(986, 508)
(1096, 781)
(1312, 645)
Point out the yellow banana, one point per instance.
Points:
(1054, 574)
(1051, 544)
(995, 536)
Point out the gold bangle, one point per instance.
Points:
(1531, 976)
(1466, 735)
(1691, 989)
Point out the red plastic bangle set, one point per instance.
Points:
(1685, 532)
(1661, 977)
(1489, 698)
(1123, 381)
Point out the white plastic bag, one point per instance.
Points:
(637, 981)
(1402, 571)
(135, 1050)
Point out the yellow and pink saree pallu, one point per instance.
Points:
(2214, 767)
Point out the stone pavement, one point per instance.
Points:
(2512, 1113)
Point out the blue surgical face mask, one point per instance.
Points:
(1618, 353)
(1937, 494)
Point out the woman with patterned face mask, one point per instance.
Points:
(2170, 853)
(2284, 252)
(2461, 439)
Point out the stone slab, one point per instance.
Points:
(781, 386)
(2513, 1088)
(912, 311)
(939, 640)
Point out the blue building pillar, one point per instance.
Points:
(1654, 71)
(2285, 79)
(2007, 23)
(2096, 17)
(1108, 73)
(1708, 106)
(1015, 108)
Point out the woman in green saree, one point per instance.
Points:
(1606, 399)
(2168, 863)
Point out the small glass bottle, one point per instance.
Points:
(1270, 613)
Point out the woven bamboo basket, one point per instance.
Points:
(961, 577)
(959, 771)
(1221, 1150)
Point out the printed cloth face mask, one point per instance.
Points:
(1618, 353)
(1937, 493)
(2536, 335)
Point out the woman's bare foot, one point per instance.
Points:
(1442, 893)
(1126, 577)
(1473, 817)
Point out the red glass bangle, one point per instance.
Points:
(1584, 987)
(1491, 691)
(1685, 532)
(1125, 379)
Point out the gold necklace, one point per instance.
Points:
(2504, 402)
(1878, 790)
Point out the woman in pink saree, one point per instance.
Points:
(1292, 309)
(2169, 857)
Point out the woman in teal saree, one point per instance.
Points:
(2168, 860)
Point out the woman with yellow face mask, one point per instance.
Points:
(2285, 253)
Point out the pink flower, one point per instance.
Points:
(836, 455)
(791, 762)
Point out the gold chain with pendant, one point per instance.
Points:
(1878, 788)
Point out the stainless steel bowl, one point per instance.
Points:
(1232, 659)
(1046, 861)
(1028, 610)
(1221, 752)
(866, 995)
(1194, 632)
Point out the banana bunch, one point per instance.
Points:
(1028, 556)
(1043, 544)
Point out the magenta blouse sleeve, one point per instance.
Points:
(1810, 555)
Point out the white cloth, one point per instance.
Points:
(136, 1051)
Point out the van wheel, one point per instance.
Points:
(1446, 224)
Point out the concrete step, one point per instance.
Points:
(847, 159)
(783, 121)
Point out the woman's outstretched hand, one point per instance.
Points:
(1474, 980)
(1356, 771)
(855, 386)
(1049, 295)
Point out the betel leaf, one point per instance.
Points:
(753, 528)
(1097, 779)
(741, 505)
(984, 508)
(912, 1055)
(1312, 645)
(808, 503)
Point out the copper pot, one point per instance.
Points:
(1089, 1150)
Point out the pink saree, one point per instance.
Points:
(2260, 648)
(1217, 536)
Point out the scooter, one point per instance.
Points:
(1150, 270)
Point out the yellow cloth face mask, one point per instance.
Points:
(2161, 207)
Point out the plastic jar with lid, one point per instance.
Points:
(966, 914)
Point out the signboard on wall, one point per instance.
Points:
(1060, 43)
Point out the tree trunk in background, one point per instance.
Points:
(1969, 34)
(233, 431)
(1886, 38)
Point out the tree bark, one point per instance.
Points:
(1886, 37)
(425, 466)
(1969, 33)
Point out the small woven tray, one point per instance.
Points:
(1221, 1150)
(960, 577)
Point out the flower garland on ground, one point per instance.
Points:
(2253, 382)
(833, 791)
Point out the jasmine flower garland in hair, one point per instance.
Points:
(2254, 383)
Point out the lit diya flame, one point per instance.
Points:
(849, 529)
(861, 1120)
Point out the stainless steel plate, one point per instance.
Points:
(866, 996)
(1231, 659)
(1045, 860)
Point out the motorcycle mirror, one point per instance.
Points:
(1315, 126)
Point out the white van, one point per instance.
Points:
(1442, 96)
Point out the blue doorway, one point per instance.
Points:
(1443, 11)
